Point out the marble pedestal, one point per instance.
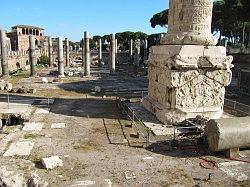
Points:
(186, 81)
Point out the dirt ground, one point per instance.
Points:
(98, 143)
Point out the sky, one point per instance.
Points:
(70, 18)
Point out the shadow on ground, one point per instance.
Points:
(88, 108)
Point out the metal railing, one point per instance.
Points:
(243, 108)
(136, 122)
(12, 102)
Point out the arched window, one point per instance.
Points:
(41, 34)
(34, 32)
(23, 31)
(27, 63)
(37, 32)
(30, 31)
(27, 31)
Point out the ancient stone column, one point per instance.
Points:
(131, 51)
(32, 55)
(137, 55)
(189, 22)
(116, 50)
(112, 65)
(83, 52)
(4, 53)
(50, 51)
(188, 73)
(145, 52)
(67, 52)
(116, 46)
(87, 54)
(100, 51)
(60, 58)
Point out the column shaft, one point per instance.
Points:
(60, 58)
(50, 51)
(87, 54)
(32, 55)
(67, 51)
(100, 50)
(4, 56)
(112, 65)
(131, 51)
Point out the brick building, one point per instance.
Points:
(19, 37)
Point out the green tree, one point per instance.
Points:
(96, 38)
(230, 18)
(160, 19)
(43, 60)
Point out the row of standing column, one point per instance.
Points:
(32, 55)
(86, 51)
(4, 57)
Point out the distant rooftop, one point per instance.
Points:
(26, 26)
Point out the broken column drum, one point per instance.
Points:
(224, 134)
(187, 73)
(60, 58)
(4, 56)
(32, 55)
(87, 54)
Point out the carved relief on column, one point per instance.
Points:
(189, 22)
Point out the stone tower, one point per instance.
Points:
(187, 72)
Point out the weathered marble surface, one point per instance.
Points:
(186, 81)
(190, 23)
(188, 73)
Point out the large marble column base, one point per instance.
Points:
(169, 116)
(186, 81)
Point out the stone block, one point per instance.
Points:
(187, 80)
(52, 162)
(58, 125)
(33, 126)
(20, 149)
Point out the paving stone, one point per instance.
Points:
(42, 111)
(20, 149)
(52, 162)
(237, 170)
(58, 125)
(33, 126)
(148, 158)
(46, 101)
(84, 183)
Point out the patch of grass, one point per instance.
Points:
(20, 75)
(33, 136)
(9, 143)
(7, 130)
(85, 146)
